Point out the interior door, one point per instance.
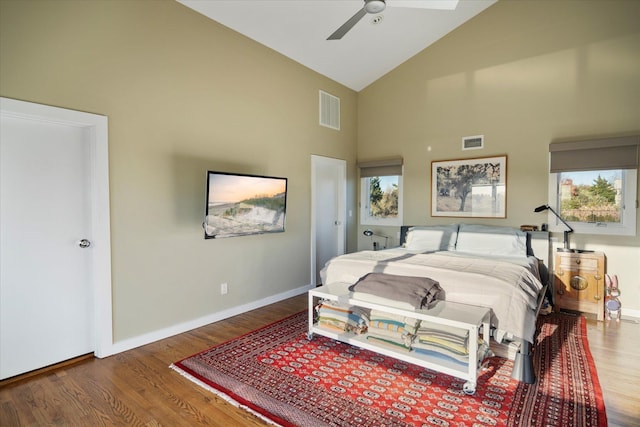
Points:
(46, 297)
(329, 204)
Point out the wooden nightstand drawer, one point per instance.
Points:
(578, 263)
(579, 282)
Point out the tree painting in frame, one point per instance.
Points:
(469, 187)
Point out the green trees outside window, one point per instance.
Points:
(593, 197)
(383, 201)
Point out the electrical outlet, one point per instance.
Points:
(224, 288)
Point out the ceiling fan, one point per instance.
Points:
(378, 6)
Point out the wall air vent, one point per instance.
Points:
(473, 142)
(329, 110)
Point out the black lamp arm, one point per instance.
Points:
(370, 233)
(569, 229)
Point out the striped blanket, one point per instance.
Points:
(342, 318)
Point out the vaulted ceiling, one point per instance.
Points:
(375, 45)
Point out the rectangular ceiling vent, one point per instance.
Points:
(473, 142)
(329, 110)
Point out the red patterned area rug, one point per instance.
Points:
(277, 374)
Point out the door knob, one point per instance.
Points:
(84, 243)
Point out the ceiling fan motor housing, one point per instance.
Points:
(374, 6)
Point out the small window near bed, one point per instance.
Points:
(593, 184)
(381, 192)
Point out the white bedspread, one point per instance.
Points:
(510, 287)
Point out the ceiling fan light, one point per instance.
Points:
(374, 6)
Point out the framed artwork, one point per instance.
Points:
(469, 187)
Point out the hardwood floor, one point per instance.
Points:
(615, 348)
(136, 388)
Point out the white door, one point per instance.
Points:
(328, 192)
(47, 306)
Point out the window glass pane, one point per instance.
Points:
(381, 200)
(383, 197)
(591, 196)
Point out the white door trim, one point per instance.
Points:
(342, 203)
(97, 129)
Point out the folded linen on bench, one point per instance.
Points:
(392, 328)
(416, 291)
(340, 317)
(446, 336)
(446, 352)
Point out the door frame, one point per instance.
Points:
(96, 129)
(341, 198)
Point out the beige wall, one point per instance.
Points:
(183, 95)
(522, 73)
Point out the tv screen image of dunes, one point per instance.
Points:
(239, 205)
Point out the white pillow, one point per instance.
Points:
(431, 238)
(488, 240)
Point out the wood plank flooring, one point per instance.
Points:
(136, 388)
(615, 347)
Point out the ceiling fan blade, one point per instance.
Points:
(344, 29)
(425, 4)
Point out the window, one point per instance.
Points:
(381, 201)
(381, 192)
(593, 185)
(596, 202)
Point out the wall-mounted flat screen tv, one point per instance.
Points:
(241, 204)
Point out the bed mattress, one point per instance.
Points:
(509, 286)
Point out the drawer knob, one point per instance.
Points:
(597, 297)
(578, 261)
(578, 283)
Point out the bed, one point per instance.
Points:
(501, 268)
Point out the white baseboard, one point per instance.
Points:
(627, 312)
(141, 340)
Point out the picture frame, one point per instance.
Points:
(469, 188)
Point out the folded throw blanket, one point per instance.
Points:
(388, 343)
(417, 291)
(342, 318)
(484, 351)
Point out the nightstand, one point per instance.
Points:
(579, 282)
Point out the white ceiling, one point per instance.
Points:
(299, 29)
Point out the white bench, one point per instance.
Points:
(463, 316)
